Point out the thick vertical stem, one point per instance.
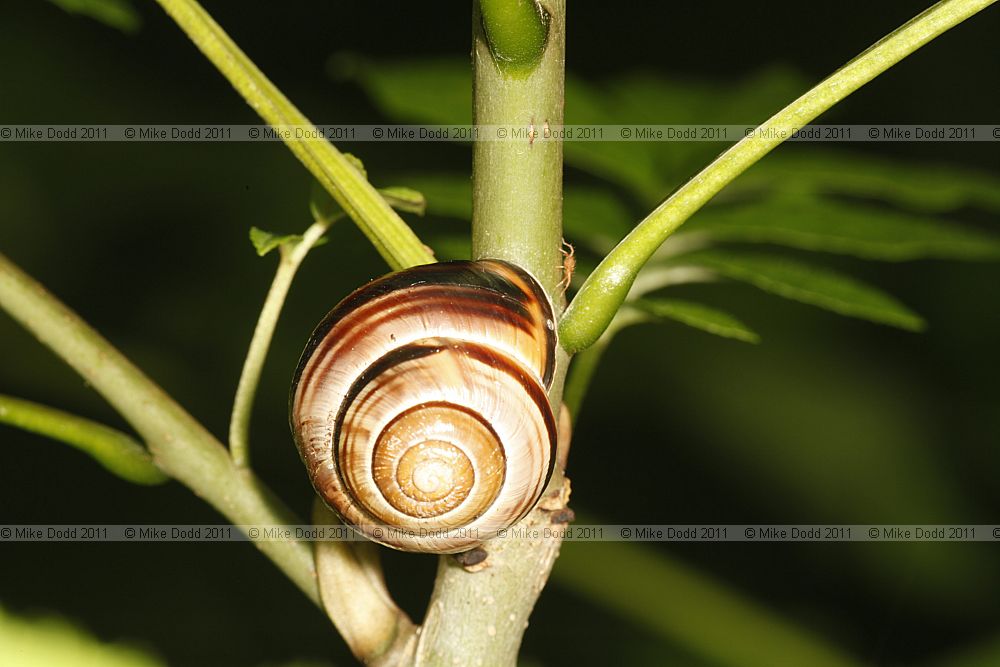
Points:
(517, 183)
(479, 617)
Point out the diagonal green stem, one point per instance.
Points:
(180, 446)
(116, 451)
(394, 240)
(605, 290)
(246, 389)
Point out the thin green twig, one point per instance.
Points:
(180, 446)
(605, 290)
(119, 452)
(291, 256)
(393, 239)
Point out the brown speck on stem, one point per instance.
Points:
(473, 560)
(565, 515)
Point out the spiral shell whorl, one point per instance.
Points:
(420, 403)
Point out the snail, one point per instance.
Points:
(420, 406)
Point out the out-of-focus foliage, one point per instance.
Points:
(799, 203)
(828, 421)
(118, 14)
(698, 316)
(800, 199)
(699, 614)
(844, 227)
(799, 281)
(48, 641)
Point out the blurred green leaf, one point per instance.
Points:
(921, 186)
(423, 91)
(118, 14)
(631, 165)
(803, 282)
(683, 606)
(652, 99)
(843, 227)
(698, 316)
(48, 641)
(650, 169)
(439, 91)
(836, 437)
(595, 218)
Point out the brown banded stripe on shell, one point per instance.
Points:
(420, 404)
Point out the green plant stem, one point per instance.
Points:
(393, 239)
(180, 446)
(291, 257)
(606, 288)
(480, 617)
(354, 594)
(119, 452)
(517, 184)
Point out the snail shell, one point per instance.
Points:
(419, 405)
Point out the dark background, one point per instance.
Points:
(148, 243)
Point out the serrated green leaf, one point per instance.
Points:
(404, 199)
(650, 169)
(118, 14)
(629, 164)
(439, 91)
(264, 242)
(924, 187)
(843, 227)
(806, 283)
(652, 99)
(698, 316)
